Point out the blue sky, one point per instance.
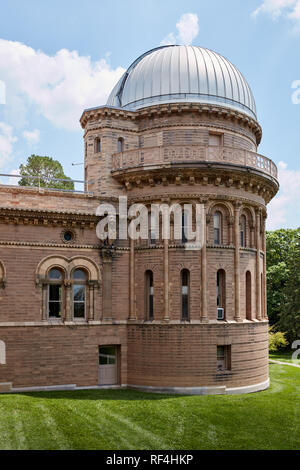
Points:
(58, 57)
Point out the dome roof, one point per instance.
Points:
(182, 74)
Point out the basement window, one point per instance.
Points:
(223, 358)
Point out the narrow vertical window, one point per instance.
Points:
(184, 225)
(97, 145)
(221, 294)
(248, 296)
(79, 293)
(243, 231)
(217, 228)
(152, 228)
(185, 287)
(120, 145)
(149, 295)
(55, 293)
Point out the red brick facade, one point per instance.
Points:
(167, 157)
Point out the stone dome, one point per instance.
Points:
(190, 74)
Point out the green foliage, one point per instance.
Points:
(289, 318)
(277, 340)
(45, 168)
(280, 246)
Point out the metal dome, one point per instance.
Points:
(182, 74)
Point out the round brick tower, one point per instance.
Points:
(180, 127)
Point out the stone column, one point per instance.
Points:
(68, 301)
(237, 316)
(44, 292)
(132, 309)
(166, 280)
(258, 286)
(204, 313)
(264, 313)
(91, 285)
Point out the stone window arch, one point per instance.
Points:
(220, 224)
(2, 353)
(68, 267)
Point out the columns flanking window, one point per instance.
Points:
(248, 296)
(217, 228)
(221, 294)
(149, 295)
(67, 288)
(185, 295)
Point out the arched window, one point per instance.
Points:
(221, 294)
(243, 222)
(149, 295)
(55, 293)
(217, 228)
(79, 293)
(184, 226)
(248, 296)
(185, 294)
(120, 145)
(97, 145)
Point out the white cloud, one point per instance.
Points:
(7, 139)
(276, 8)
(188, 29)
(284, 208)
(58, 86)
(32, 137)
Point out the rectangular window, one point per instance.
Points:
(223, 358)
(54, 301)
(79, 300)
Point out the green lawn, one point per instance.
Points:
(285, 356)
(122, 419)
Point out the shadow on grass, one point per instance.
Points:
(126, 395)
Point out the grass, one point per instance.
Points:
(285, 356)
(123, 419)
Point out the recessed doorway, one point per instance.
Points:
(108, 365)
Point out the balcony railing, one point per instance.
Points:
(192, 153)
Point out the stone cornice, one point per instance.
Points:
(158, 110)
(49, 245)
(243, 178)
(14, 215)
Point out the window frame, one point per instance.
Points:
(80, 283)
(220, 231)
(61, 302)
(185, 317)
(149, 295)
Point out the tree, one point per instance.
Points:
(276, 340)
(44, 168)
(289, 318)
(280, 244)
